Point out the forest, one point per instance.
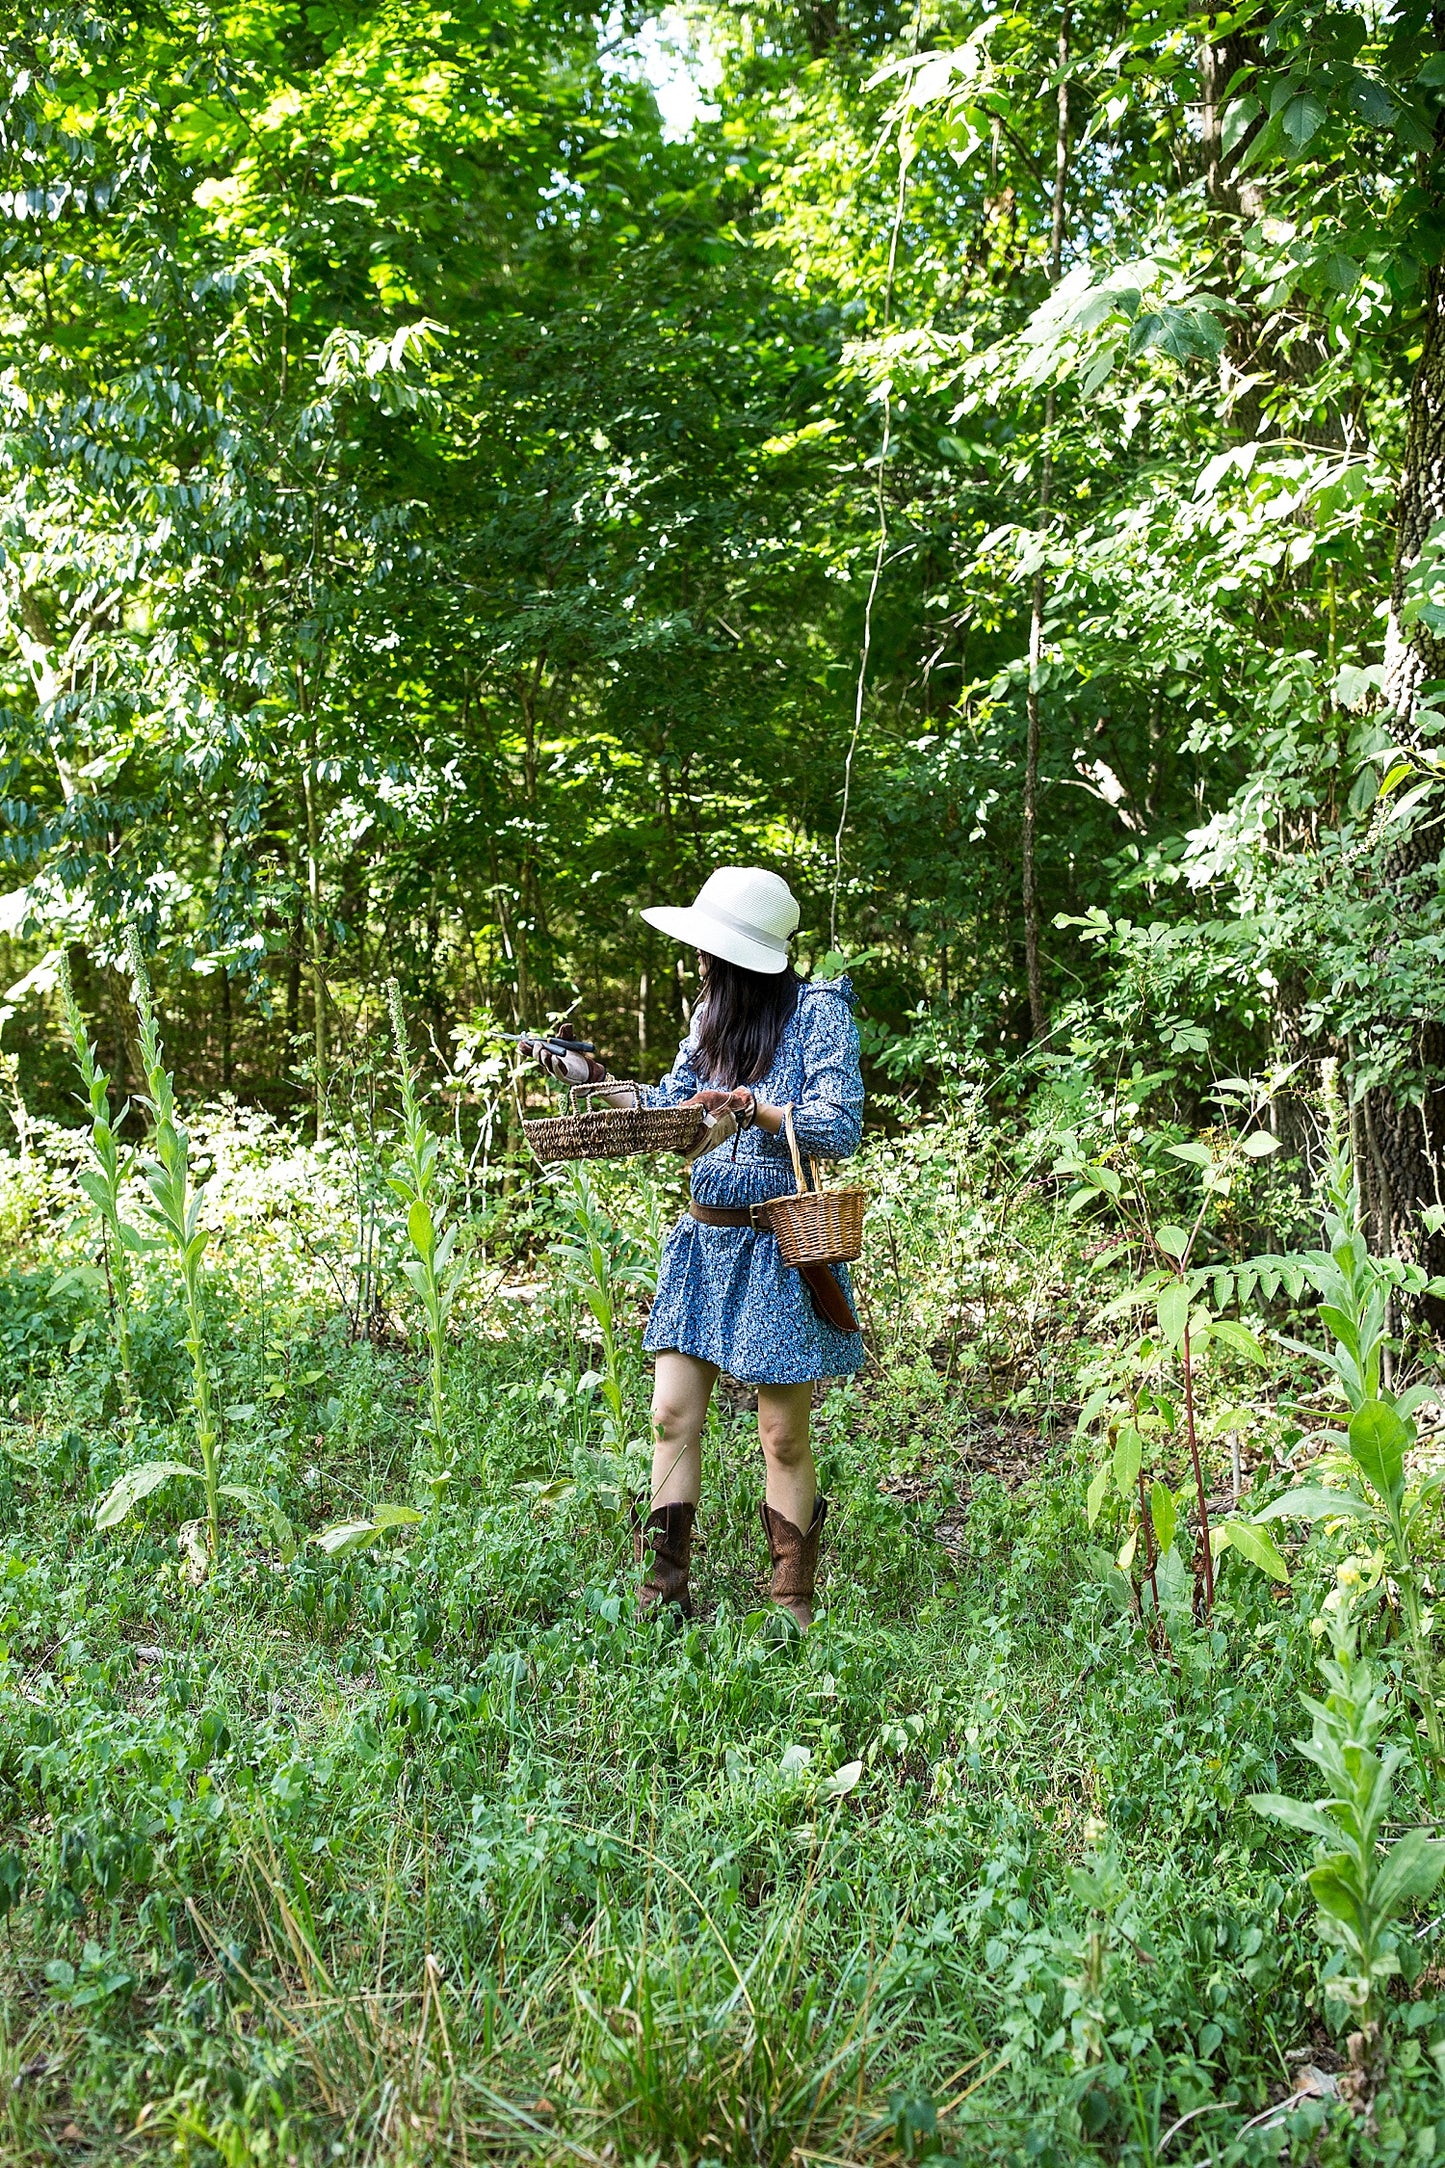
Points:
(467, 472)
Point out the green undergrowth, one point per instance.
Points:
(423, 1849)
(430, 1852)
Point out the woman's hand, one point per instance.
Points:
(745, 1106)
(567, 1067)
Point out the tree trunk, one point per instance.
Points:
(1033, 953)
(1406, 1156)
(318, 961)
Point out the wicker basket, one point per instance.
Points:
(817, 1226)
(613, 1132)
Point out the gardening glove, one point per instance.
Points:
(715, 1123)
(567, 1067)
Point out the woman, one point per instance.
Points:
(761, 1040)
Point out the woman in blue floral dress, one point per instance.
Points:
(761, 1040)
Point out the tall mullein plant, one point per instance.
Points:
(176, 1214)
(432, 1269)
(110, 1166)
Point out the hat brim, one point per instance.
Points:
(701, 930)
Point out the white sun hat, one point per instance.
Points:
(742, 913)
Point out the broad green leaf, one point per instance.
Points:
(1378, 1440)
(1336, 1887)
(1174, 1313)
(128, 1490)
(1296, 1813)
(1176, 1591)
(1302, 117)
(1259, 1144)
(390, 1516)
(1315, 1502)
(1240, 1338)
(263, 1509)
(1172, 1240)
(1097, 1492)
(345, 1536)
(1409, 1872)
(1196, 1155)
(842, 1781)
(419, 1228)
(1164, 1515)
(1252, 1543)
(1097, 1401)
(1128, 1454)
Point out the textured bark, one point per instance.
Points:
(1404, 1160)
(1220, 60)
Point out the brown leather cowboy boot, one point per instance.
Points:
(795, 1560)
(667, 1534)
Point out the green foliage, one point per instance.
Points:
(601, 1268)
(1360, 1889)
(175, 1212)
(104, 1181)
(433, 1271)
(844, 1885)
(1370, 1489)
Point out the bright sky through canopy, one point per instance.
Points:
(673, 55)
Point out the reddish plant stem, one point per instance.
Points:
(1208, 1555)
(1146, 1521)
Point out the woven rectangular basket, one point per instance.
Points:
(612, 1132)
(817, 1226)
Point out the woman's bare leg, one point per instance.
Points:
(681, 1389)
(784, 1414)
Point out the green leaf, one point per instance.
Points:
(128, 1490)
(1164, 1514)
(1408, 1872)
(1197, 1155)
(345, 1536)
(1378, 1440)
(1336, 1886)
(1296, 1814)
(1301, 118)
(263, 1509)
(1259, 1144)
(1315, 1502)
(419, 1228)
(1097, 1492)
(1252, 1543)
(1128, 1455)
(1172, 1240)
(1174, 1313)
(1240, 1338)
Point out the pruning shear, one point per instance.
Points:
(574, 1057)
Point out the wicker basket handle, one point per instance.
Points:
(791, 1134)
(605, 1084)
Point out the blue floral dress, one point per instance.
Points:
(723, 1293)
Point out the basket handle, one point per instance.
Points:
(790, 1133)
(605, 1084)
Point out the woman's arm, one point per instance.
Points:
(828, 1118)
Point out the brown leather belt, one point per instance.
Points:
(716, 1215)
(823, 1285)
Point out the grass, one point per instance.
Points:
(432, 1854)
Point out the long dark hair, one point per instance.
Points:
(740, 1020)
